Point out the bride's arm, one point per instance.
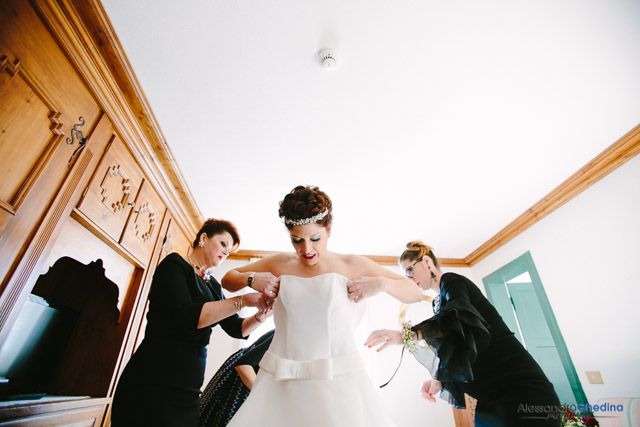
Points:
(375, 279)
(260, 272)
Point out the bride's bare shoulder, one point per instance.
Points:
(360, 265)
(282, 262)
(352, 261)
(282, 257)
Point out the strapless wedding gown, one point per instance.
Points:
(312, 374)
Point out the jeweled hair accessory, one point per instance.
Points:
(309, 220)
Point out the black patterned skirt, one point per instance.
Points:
(224, 394)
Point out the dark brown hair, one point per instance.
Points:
(416, 250)
(213, 226)
(305, 202)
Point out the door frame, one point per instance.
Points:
(524, 263)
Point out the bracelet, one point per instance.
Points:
(238, 303)
(256, 317)
(407, 337)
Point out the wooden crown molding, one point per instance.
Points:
(84, 31)
(245, 254)
(614, 156)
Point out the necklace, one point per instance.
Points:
(436, 304)
(200, 270)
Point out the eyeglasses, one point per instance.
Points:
(409, 271)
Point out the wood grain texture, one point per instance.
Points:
(143, 226)
(31, 129)
(113, 190)
(40, 82)
(86, 34)
(63, 412)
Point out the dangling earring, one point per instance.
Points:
(433, 275)
(201, 244)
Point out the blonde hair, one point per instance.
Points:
(416, 250)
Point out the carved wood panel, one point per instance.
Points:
(30, 131)
(174, 241)
(113, 190)
(143, 227)
(42, 97)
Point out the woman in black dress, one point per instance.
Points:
(478, 353)
(229, 387)
(160, 386)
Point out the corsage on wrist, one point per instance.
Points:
(407, 337)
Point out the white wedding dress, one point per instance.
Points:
(312, 375)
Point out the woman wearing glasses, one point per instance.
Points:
(478, 353)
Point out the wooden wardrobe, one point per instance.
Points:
(90, 200)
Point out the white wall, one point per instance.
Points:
(588, 256)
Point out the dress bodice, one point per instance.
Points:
(313, 374)
(314, 318)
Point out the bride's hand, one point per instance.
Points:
(384, 338)
(364, 287)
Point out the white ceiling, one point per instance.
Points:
(443, 121)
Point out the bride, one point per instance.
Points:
(312, 374)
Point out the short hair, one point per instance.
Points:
(213, 226)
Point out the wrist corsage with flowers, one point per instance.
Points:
(408, 337)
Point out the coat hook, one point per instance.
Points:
(76, 133)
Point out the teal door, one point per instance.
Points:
(517, 293)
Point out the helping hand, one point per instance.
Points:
(430, 388)
(267, 284)
(254, 299)
(261, 316)
(384, 338)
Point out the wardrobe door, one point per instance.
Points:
(112, 193)
(143, 227)
(36, 118)
(30, 133)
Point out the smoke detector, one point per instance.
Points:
(328, 58)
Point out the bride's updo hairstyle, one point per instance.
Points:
(306, 205)
(416, 250)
